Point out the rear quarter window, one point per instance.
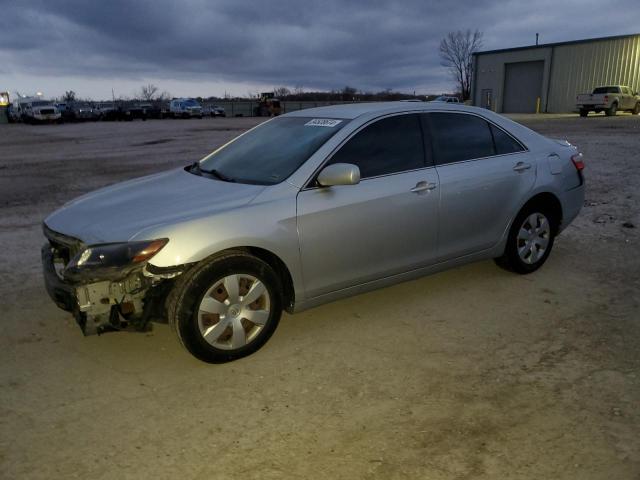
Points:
(504, 143)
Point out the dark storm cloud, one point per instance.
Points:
(328, 44)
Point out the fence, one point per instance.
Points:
(243, 108)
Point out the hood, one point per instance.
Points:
(118, 212)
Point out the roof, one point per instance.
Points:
(354, 110)
(557, 44)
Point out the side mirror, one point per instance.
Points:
(339, 174)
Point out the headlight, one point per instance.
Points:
(116, 254)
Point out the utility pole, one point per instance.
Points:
(537, 38)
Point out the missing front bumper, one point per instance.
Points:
(101, 306)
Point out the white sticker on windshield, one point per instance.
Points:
(322, 122)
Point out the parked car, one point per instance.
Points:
(77, 111)
(153, 110)
(133, 112)
(85, 111)
(106, 111)
(213, 111)
(185, 108)
(609, 99)
(216, 111)
(446, 99)
(12, 115)
(306, 208)
(35, 110)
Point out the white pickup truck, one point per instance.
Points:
(609, 99)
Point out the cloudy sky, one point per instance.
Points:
(209, 47)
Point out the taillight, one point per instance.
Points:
(578, 161)
(606, 98)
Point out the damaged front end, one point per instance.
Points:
(107, 287)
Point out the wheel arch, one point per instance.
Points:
(551, 202)
(273, 260)
(288, 290)
(545, 198)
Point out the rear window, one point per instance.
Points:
(601, 90)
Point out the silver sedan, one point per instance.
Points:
(307, 208)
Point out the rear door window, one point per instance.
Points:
(391, 145)
(458, 137)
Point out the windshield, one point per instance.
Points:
(41, 104)
(272, 151)
(191, 103)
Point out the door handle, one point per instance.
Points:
(423, 187)
(521, 166)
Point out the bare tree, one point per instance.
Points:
(147, 92)
(164, 96)
(349, 93)
(281, 92)
(456, 53)
(69, 96)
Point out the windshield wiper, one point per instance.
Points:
(195, 168)
(217, 174)
(198, 170)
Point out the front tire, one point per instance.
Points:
(530, 240)
(226, 308)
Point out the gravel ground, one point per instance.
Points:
(471, 373)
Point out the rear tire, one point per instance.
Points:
(636, 109)
(530, 240)
(213, 311)
(584, 113)
(611, 111)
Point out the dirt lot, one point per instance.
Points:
(476, 373)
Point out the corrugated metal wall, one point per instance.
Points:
(569, 69)
(578, 68)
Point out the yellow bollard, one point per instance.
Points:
(538, 105)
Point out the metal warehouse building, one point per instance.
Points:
(512, 80)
